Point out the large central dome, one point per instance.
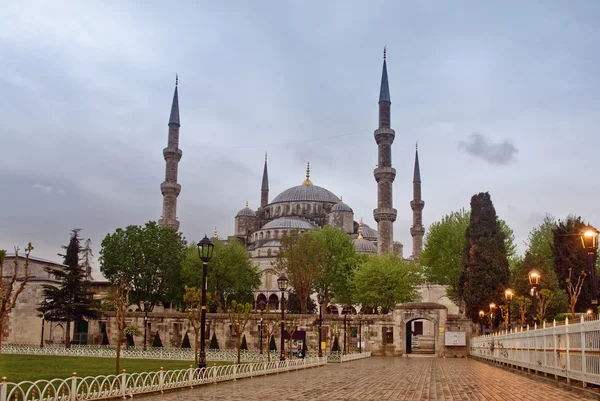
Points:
(306, 193)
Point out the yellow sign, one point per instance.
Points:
(441, 329)
(323, 345)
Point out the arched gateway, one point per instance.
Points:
(435, 317)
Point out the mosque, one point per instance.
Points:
(307, 206)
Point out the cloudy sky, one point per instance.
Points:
(501, 97)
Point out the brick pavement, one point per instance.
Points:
(383, 379)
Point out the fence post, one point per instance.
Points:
(73, 395)
(190, 376)
(215, 372)
(554, 342)
(235, 371)
(583, 361)
(3, 390)
(251, 370)
(567, 363)
(123, 383)
(161, 380)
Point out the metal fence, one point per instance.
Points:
(571, 350)
(129, 384)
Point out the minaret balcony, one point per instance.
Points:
(385, 214)
(417, 231)
(172, 154)
(170, 188)
(386, 174)
(385, 136)
(417, 205)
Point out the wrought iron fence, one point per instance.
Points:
(571, 350)
(128, 384)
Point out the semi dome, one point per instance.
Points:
(364, 246)
(310, 193)
(290, 223)
(341, 207)
(246, 212)
(368, 232)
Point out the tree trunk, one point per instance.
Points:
(68, 335)
(196, 344)
(217, 299)
(239, 346)
(118, 358)
(1, 329)
(303, 304)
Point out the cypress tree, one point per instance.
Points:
(186, 341)
(336, 345)
(244, 345)
(72, 299)
(130, 342)
(157, 343)
(104, 338)
(485, 273)
(214, 344)
(272, 345)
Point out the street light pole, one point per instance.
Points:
(321, 300)
(492, 307)
(345, 334)
(261, 307)
(359, 333)
(282, 282)
(508, 294)
(589, 239)
(481, 316)
(534, 280)
(42, 336)
(205, 250)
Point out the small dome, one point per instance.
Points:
(287, 222)
(368, 232)
(246, 212)
(341, 207)
(364, 246)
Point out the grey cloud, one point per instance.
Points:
(479, 146)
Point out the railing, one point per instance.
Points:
(571, 351)
(341, 358)
(128, 384)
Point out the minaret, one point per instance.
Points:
(172, 154)
(417, 230)
(385, 214)
(264, 189)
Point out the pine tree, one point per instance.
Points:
(72, 298)
(129, 340)
(214, 344)
(104, 339)
(186, 341)
(157, 343)
(485, 273)
(244, 345)
(272, 345)
(336, 345)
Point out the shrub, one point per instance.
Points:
(244, 345)
(272, 345)
(157, 343)
(104, 338)
(186, 341)
(336, 345)
(214, 344)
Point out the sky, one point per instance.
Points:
(500, 96)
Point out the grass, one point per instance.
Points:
(18, 368)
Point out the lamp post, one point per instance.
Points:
(42, 335)
(205, 250)
(345, 333)
(321, 301)
(360, 333)
(492, 308)
(589, 240)
(282, 283)
(261, 308)
(481, 316)
(146, 309)
(508, 294)
(534, 281)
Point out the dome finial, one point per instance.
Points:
(176, 79)
(341, 199)
(246, 204)
(215, 233)
(360, 229)
(417, 146)
(384, 51)
(307, 182)
(265, 156)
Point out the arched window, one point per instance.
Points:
(273, 302)
(269, 252)
(308, 208)
(259, 253)
(278, 210)
(261, 235)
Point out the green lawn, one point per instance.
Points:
(19, 368)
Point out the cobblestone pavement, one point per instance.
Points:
(383, 379)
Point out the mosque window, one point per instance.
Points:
(308, 208)
(278, 210)
(318, 208)
(261, 235)
(268, 234)
(275, 234)
(287, 209)
(298, 209)
(268, 252)
(259, 253)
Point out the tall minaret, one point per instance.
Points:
(417, 230)
(264, 189)
(170, 188)
(385, 214)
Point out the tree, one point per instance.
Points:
(192, 299)
(214, 344)
(540, 241)
(239, 314)
(244, 345)
(119, 292)
(149, 258)
(157, 342)
(485, 273)
(292, 303)
(569, 254)
(302, 257)
(72, 299)
(385, 280)
(104, 338)
(336, 345)
(340, 262)
(574, 290)
(272, 346)
(185, 344)
(441, 255)
(522, 304)
(9, 292)
(230, 272)
(544, 298)
(269, 327)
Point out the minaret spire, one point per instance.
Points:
(417, 204)
(385, 214)
(264, 189)
(170, 188)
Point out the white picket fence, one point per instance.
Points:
(341, 358)
(571, 351)
(128, 384)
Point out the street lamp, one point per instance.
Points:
(508, 294)
(360, 332)
(481, 316)
(282, 283)
(534, 281)
(589, 240)
(492, 308)
(345, 333)
(261, 307)
(321, 300)
(205, 250)
(146, 309)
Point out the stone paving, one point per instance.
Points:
(383, 379)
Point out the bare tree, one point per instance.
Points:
(544, 298)
(120, 297)
(269, 328)
(8, 292)
(574, 290)
(193, 306)
(239, 314)
(523, 304)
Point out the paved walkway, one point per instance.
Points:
(383, 379)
